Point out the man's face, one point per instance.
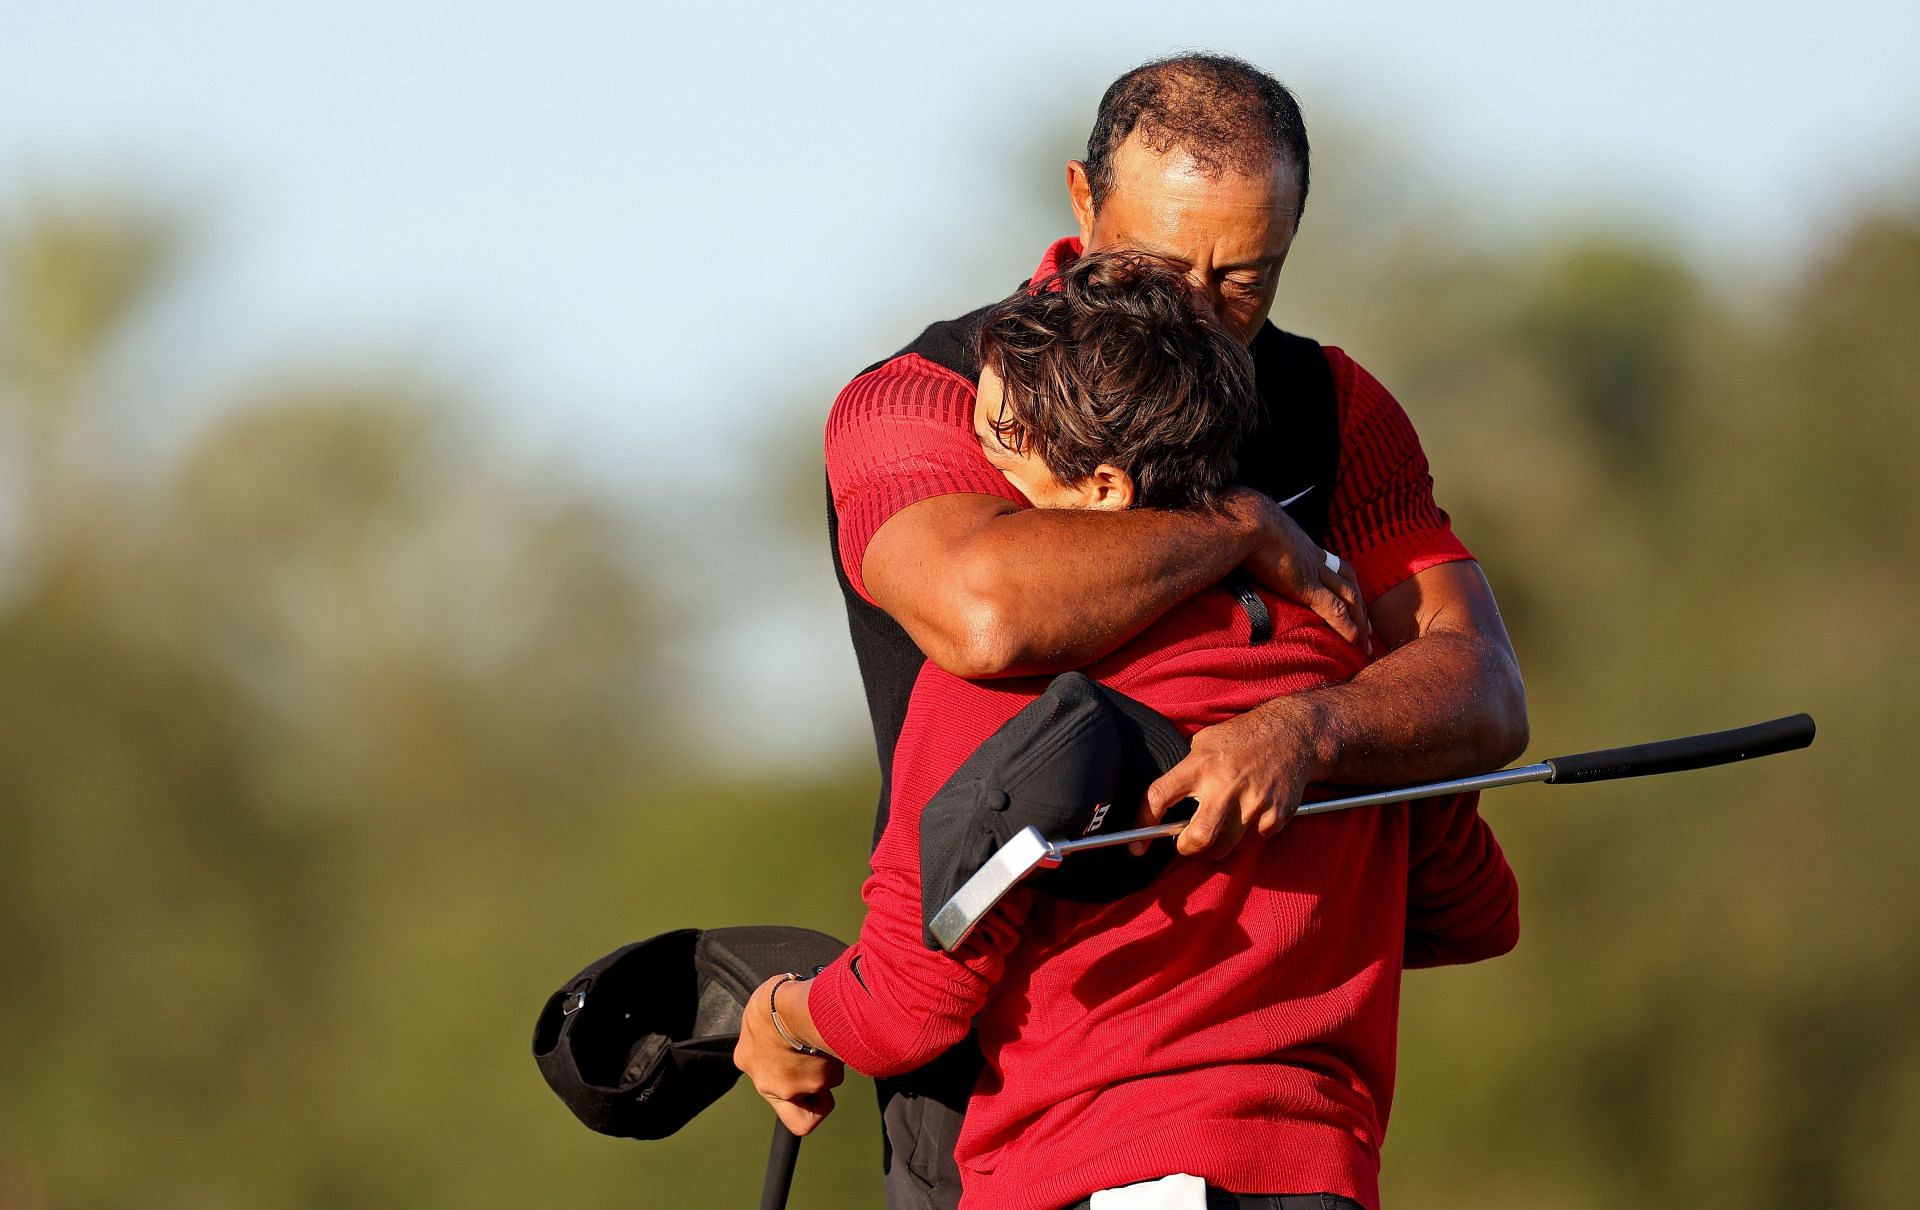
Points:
(1232, 232)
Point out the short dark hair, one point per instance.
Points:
(1224, 112)
(1117, 360)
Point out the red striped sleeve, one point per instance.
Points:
(1383, 518)
(898, 434)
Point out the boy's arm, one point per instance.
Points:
(888, 1004)
(885, 1006)
(908, 1011)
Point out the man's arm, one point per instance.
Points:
(930, 532)
(986, 588)
(1446, 700)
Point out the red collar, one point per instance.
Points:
(1060, 254)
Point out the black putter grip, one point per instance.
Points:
(780, 1161)
(1692, 752)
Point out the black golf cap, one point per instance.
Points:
(640, 1042)
(1074, 762)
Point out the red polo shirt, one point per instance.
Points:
(1235, 1020)
(903, 432)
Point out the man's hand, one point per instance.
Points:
(1445, 700)
(1286, 560)
(797, 1086)
(1246, 774)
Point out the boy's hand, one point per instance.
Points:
(797, 1086)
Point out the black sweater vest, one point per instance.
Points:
(1293, 454)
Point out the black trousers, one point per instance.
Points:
(921, 1114)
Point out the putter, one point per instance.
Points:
(1029, 850)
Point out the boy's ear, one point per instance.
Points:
(1109, 488)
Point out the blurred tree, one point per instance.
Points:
(1707, 1006)
(71, 278)
(284, 722)
(1611, 320)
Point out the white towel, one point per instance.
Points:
(1176, 1192)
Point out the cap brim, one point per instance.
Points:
(1048, 768)
(1150, 745)
(640, 1042)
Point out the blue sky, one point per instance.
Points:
(651, 238)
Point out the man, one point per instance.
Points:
(1202, 160)
(1235, 1020)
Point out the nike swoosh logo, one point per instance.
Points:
(1301, 495)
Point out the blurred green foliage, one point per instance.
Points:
(330, 746)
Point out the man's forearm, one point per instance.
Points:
(1446, 701)
(1068, 587)
(1447, 704)
(1044, 590)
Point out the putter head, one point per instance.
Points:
(1026, 852)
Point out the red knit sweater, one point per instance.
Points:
(1235, 1020)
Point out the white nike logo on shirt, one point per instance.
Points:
(1297, 495)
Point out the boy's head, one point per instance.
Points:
(1111, 385)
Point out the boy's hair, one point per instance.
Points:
(1117, 360)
